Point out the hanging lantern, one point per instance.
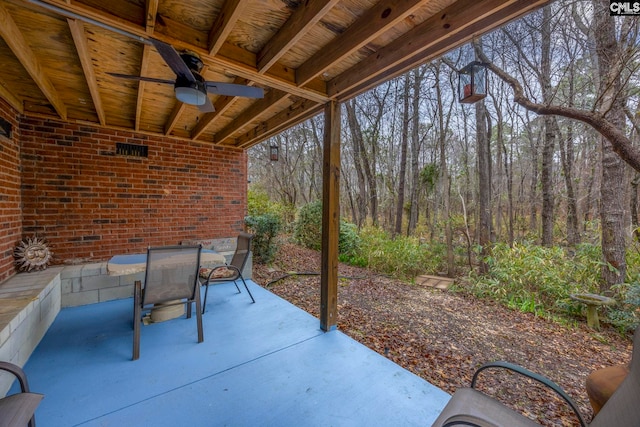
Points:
(273, 153)
(472, 82)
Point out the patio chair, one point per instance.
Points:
(18, 409)
(171, 278)
(229, 272)
(470, 407)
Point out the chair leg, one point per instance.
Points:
(188, 307)
(206, 291)
(199, 311)
(137, 294)
(247, 288)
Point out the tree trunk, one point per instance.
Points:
(613, 173)
(403, 156)
(415, 152)
(444, 176)
(566, 157)
(484, 185)
(356, 139)
(549, 134)
(634, 205)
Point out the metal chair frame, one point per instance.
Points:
(146, 298)
(239, 260)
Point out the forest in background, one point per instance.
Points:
(542, 174)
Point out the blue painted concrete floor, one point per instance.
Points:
(262, 364)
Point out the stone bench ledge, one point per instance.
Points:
(29, 303)
(20, 293)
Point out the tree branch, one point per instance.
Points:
(620, 142)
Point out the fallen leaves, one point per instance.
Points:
(444, 337)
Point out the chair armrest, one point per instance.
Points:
(217, 267)
(537, 377)
(18, 372)
(467, 420)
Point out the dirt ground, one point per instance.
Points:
(444, 336)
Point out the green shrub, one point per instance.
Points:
(402, 257)
(539, 279)
(626, 315)
(349, 240)
(307, 230)
(265, 229)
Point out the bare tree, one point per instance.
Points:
(404, 142)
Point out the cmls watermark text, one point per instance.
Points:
(620, 8)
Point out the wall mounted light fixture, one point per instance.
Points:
(5, 128)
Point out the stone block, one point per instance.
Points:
(90, 283)
(71, 271)
(94, 269)
(80, 298)
(120, 292)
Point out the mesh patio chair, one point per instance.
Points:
(18, 409)
(470, 407)
(229, 272)
(171, 278)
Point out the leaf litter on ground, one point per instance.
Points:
(444, 337)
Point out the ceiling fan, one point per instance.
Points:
(190, 87)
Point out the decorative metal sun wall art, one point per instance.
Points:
(32, 253)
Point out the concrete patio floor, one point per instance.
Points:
(262, 364)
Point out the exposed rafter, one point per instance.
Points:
(80, 40)
(20, 48)
(10, 97)
(301, 21)
(296, 113)
(374, 22)
(144, 65)
(227, 18)
(221, 105)
(258, 109)
(178, 108)
(152, 11)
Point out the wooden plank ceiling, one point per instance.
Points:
(56, 56)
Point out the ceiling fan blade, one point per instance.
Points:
(173, 60)
(207, 107)
(142, 79)
(232, 89)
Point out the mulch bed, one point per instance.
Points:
(444, 336)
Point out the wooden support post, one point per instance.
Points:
(330, 217)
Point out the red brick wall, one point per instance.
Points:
(10, 216)
(91, 203)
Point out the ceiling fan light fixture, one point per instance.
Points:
(190, 95)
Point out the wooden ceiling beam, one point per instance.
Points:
(298, 112)
(178, 108)
(227, 18)
(221, 105)
(13, 37)
(144, 66)
(368, 27)
(235, 60)
(456, 24)
(258, 109)
(150, 23)
(13, 100)
(299, 23)
(80, 41)
(152, 11)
